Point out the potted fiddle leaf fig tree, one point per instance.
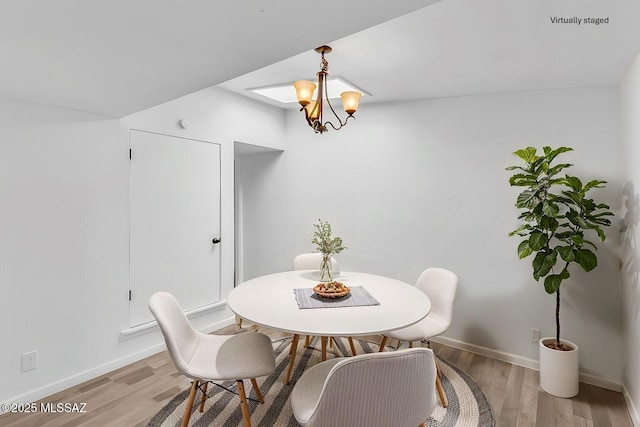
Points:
(557, 220)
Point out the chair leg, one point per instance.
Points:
(353, 347)
(443, 397)
(307, 341)
(292, 356)
(383, 342)
(410, 344)
(243, 404)
(187, 410)
(239, 322)
(257, 390)
(204, 396)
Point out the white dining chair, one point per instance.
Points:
(372, 390)
(206, 358)
(313, 261)
(440, 285)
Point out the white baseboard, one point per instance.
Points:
(522, 361)
(79, 378)
(633, 411)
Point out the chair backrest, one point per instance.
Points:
(312, 261)
(440, 285)
(379, 389)
(179, 335)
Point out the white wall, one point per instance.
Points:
(630, 254)
(64, 263)
(411, 185)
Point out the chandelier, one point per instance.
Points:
(314, 109)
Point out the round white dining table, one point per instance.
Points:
(270, 301)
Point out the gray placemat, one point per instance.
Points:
(358, 296)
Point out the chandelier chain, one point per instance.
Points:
(324, 65)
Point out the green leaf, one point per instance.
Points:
(543, 263)
(566, 253)
(548, 223)
(550, 209)
(523, 180)
(552, 283)
(575, 218)
(594, 184)
(587, 259)
(564, 235)
(604, 206)
(574, 183)
(573, 198)
(563, 200)
(536, 208)
(528, 154)
(524, 250)
(537, 240)
(526, 198)
(527, 216)
(520, 231)
(552, 154)
(577, 240)
(558, 168)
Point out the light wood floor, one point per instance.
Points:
(131, 395)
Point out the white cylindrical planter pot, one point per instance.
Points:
(559, 369)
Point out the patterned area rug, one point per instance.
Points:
(467, 404)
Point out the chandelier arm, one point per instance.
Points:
(350, 116)
(335, 128)
(310, 122)
(326, 94)
(333, 111)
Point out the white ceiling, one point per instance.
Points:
(466, 47)
(117, 57)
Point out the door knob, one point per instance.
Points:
(216, 240)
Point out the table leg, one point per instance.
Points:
(292, 356)
(324, 347)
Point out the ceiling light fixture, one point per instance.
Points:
(313, 109)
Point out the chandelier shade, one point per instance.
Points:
(304, 91)
(314, 108)
(350, 101)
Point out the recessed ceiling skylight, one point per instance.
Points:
(287, 94)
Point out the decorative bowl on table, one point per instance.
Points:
(331, 289)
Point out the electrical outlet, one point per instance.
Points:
(535, 334)
(29, 360)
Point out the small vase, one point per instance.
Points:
(325, 269)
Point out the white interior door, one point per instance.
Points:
(174, 218)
